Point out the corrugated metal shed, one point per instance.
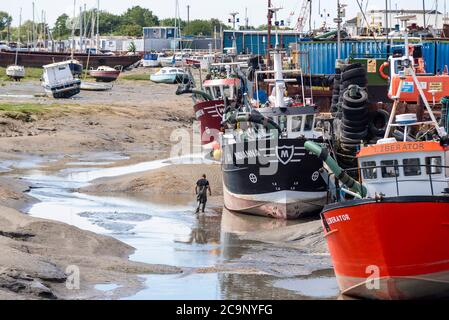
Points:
(323, 54)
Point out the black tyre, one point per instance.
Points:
(354, 73)
(360, 81)
(360, 118)
(354, 110)
(379, 122)
(350, 67)
(355, 123)
(353, 129)
(355, 135)
(350, 141)
(355, 101)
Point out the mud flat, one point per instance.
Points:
(171, 180)
(35, 255)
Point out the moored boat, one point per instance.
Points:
(105, 74)
(58, 80)
(388, 233)
(15, 72)
(266, 169)
(170, 75)
(36, 59)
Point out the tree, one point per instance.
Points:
(61, 30)
(131, 30)
(5, 20)
(109, 23)
(198, 28)
(139, 16)
(5, 23)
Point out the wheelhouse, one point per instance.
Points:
(405, 169)
(294, 122)
(219, 89)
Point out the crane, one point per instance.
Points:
(304, 15)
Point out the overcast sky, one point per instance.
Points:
(201, 9)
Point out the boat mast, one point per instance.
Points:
(18, 37)
(81, 28)
(98, 25)
(270, 17)
(73, 30)
(278, 73)
(33, 28)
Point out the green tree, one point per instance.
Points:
(61, 30)
(139, 16)
(198, 28)
(5, 23)
(131, 30)
(109, 23)
(5, 20)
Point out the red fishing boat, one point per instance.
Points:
(388, 234)
(394, 243)
(209, 109)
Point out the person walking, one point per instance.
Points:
(201, 190)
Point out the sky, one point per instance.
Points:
(205, 9)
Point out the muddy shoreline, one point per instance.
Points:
(131, 125)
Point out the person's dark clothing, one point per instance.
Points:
(203, 186)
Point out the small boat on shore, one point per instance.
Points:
(58, 81)
(15, 72)
(105, 74)
(151, 60)
(170, 75)
(94, 86)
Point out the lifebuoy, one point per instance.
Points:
(381, 70)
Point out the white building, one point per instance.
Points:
(377, 20)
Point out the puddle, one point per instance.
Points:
(324, 288)
(165, 230)
(107, 287)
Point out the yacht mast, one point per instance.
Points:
(18, 37)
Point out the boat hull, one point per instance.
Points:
(64, 91)
(397, 248)
(16, 72)
(167, 79)
(104, 76)
(39, 59)
(282, 182)
(210, 116)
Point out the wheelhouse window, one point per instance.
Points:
(390, 168)
(369, 170)
(412, 167)
(308, 126)
(297, 123)
(434, 165)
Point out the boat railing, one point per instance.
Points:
(430, 174)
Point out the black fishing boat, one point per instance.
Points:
(266, 169)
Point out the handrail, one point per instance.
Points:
(398, 179)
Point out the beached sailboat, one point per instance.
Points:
(17, 72)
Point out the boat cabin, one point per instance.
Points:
(219, 89)
(294, 122)
(405, 168)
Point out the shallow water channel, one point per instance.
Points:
(165, 230)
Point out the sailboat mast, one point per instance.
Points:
(98, 25)
(73, 30)
(18, 37)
